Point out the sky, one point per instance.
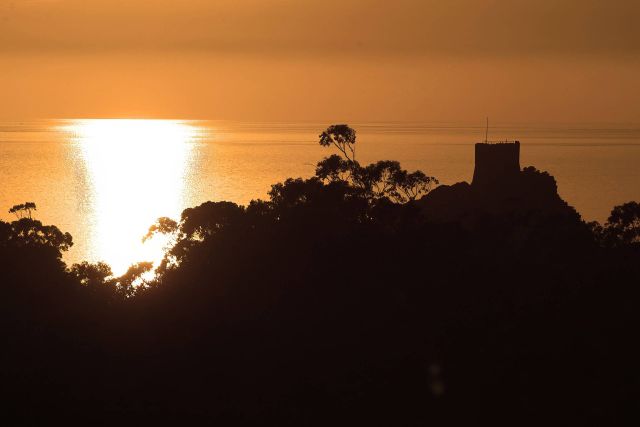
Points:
(347, 60)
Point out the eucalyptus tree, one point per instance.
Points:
(23, 210)
(383, 179)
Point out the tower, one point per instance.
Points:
(497, 164)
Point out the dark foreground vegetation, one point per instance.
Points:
(350, 298)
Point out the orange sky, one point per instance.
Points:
(454, 60)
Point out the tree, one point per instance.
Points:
(30, 232)
(209, 218)
(93, 276)
(343, 138)
(294, 192)
(126, 284)
(386, 178)
(380, 179)
(383, 179)
(163, 225)
(334, 168)
(413, 185)
(23, 210)
(623, 225)
(196, 224)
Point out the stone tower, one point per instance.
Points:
(497, 164)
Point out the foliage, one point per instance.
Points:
(132, 281)
(343, 138)
(383, 179)
(623, 225)
(27, 232)
(92, 275)
(163, 225)
(23, 209)
(334, 168)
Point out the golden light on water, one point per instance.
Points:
(137, 172)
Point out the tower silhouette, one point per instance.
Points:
(496, 164)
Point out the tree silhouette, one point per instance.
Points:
(132, 281)
(23, 210)
(383, 179)
(32, 233)
(343, 138)
(414, 185)
(334, 168)
(623, 224)
(163, 225)
(91, 275)
(386, 178)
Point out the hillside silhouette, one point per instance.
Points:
(364, 295)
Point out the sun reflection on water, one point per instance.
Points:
(137, 171)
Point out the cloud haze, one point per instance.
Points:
(353, 26)
(458, 60)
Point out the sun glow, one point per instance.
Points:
(136, 171)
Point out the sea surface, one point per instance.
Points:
(106, 181)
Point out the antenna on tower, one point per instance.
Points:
(486, 133)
